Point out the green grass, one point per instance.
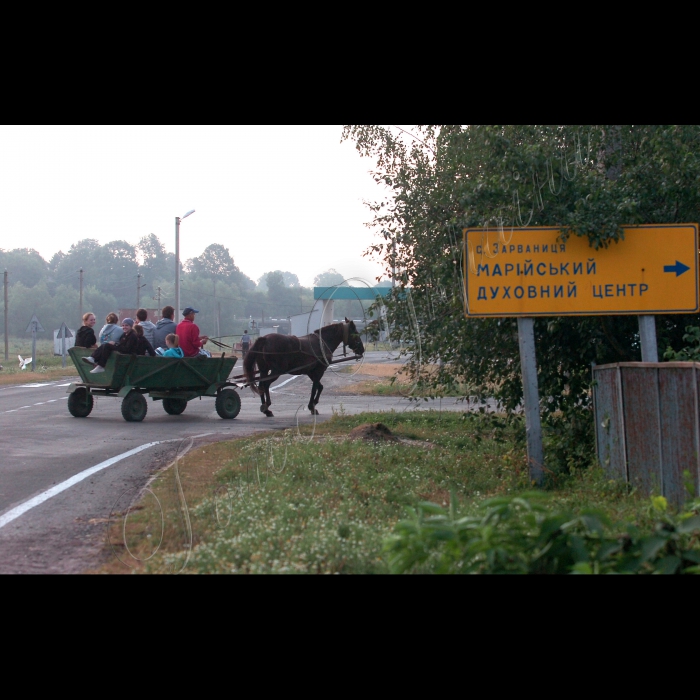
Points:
(292, 504)
(46, 361)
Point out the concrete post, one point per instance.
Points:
(531, 399)
(647, 338)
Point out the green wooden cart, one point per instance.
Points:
(171, 380)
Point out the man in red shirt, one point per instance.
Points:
(188, 333)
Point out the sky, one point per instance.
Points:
(278, 197)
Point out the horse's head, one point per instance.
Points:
(354, 340)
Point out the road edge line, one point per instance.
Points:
(55, 490)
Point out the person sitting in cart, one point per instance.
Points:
(111, 330)
(174, 349)
(131, 343)
(149, 328)
(188, 333)
(85, 337)
(164, 327)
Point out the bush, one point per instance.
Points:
(521, 535)
(690, 353)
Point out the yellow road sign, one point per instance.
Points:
(530, 272)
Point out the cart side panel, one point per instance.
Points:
(175, 373)
(145, 372)
(111, 378)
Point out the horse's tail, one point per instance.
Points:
(249, 363)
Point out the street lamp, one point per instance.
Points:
(177, 260)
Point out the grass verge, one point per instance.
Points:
(48, 366)
(323, 503)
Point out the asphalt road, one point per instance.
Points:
(54, 510)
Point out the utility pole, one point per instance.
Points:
(177, 262)
(177, 267)
(138, 291)
(218, 319)
(81, 296)
(6, 346)
(158, 297)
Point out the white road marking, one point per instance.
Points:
(31, 386)
(41, 403)
(11, 411)
(24, 407)
(286, 381)
(37, 500)
(53, 491)
(51, 400)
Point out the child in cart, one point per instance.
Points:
(173, 343)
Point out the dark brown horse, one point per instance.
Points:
(277, 354)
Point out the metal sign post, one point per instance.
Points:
(647, 338)
(531, 399)
(34, 326)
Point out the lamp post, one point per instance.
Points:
(177, 261)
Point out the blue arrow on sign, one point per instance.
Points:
(679, 268)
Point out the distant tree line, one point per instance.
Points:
(118, 275)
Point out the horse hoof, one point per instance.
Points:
(269, 414)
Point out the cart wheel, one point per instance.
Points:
(228, 403)
(134, 407)
(80, 403)
(174, 406)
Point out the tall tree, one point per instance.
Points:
(289, 280)
(24, 265)
(216, 261)
(284, 300)
(329, 278)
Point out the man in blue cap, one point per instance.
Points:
(188, 333)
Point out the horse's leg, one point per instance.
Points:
(316, 389)
(311, 399)
(318, 395)
(268, 400)
(264, 386)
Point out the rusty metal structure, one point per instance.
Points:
(647, 425)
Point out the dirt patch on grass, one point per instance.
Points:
(376, 432)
